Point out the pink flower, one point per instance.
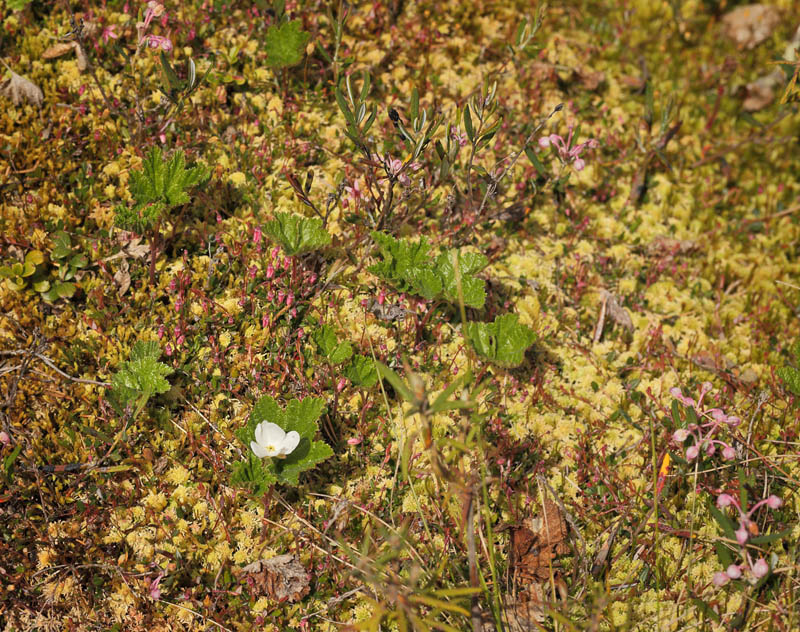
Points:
(109, 33)
(692, 453)
(354, 191)
(156, 41)
(678, 394)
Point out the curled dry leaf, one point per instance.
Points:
(58, 50)
(281, 578)
(20, 89)
(751, 24)
(122, 277)
(615, 311)
(83, 60)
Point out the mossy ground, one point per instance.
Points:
(704, 262)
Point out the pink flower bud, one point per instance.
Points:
(733, 421)
(544, 141)
(4, 438)
(728, 453)
(692, 453)
(760, 568)
(579, 164)
(733, 571)
(341, 384)
(680, 435)
(742, 535)
(257, 235)
(724, 500)
(720, 579)
(711, 449)
(354, 441)
(773, 502)
(270, 271)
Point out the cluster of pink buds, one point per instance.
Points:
(354, 193)
(457, 136)
(154, 10)
(565, 152)
(704, 433)
(747, 528)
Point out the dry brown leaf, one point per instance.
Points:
(58, 50)
(20, 89)
(83, 60)
(751, 24)
(122, 277)
(280, 578)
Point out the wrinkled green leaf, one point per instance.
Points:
(361, 372)
(297, 234)
(330, 347)
(503, 342)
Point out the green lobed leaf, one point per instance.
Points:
(285, 44)
(361, 372)
(142, 374)
(472, 287)
(330, 347)
(297, 234)
(503, 342)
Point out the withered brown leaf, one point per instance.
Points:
(280, 578)
(58, 50)
(20, 89)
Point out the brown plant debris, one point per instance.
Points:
(534, 547)
(282, 578)
(750, 24)
(19, 89)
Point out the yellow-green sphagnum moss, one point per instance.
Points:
(647, 237)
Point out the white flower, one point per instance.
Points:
(272, 440)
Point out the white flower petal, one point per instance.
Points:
(258, 450)
(290, 442)
(271, 433)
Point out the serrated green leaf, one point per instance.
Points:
(503, 342)
(297, 234)
(790, 377)
(164, 183)
(142, 374)
(361, 372)
(330, 347)
(303, 458)
(285, 44)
